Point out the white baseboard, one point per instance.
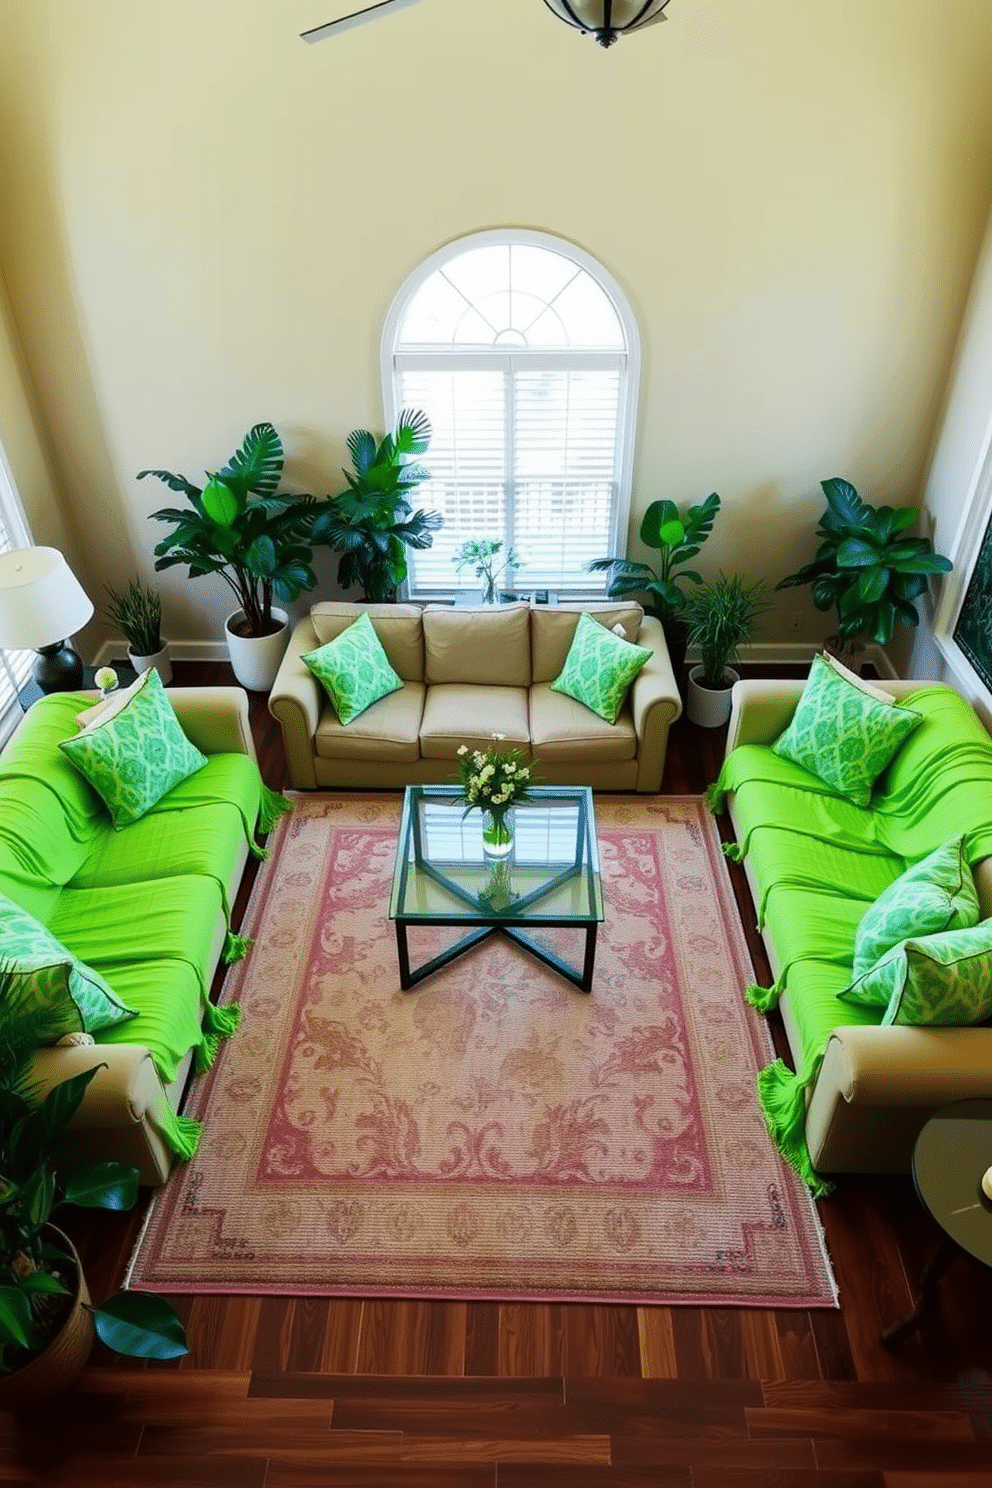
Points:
(178, 650)
(800, 653)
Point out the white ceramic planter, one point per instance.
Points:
(256, 659)
(160, 661)
(709, 706)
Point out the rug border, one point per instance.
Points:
(197, 1096)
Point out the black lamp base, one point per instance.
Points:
(58, 668)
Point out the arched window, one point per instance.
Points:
(523, 352)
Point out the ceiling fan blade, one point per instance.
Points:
(357, 18)
(661, 16)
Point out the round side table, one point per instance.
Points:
(952, 1153)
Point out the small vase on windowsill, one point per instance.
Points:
(497, 833)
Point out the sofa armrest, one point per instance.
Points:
(655, 703)
(761, 709)
(908, 1066)
(297, 701)
(123, 1092)
(215, 719)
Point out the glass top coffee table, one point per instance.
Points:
(550, 878)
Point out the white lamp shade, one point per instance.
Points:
(41, 600)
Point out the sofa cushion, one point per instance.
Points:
(354, 670)
(133, 758)
(842, 735)
(456, 714)
(397, 626)
(53, 992)
(388, 730)
(943, 979)
(936, 894)
(488, 646)
(552, 630)
(599, 668)
(562, 729)
(206, 844)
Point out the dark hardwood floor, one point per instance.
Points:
(298, 1392)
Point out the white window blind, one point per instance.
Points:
(524, 365)
(15, 666)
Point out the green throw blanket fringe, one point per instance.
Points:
(763, 999)
(236, 947)
(218, 1024)
(782, 1096)
(181, 1134)
(272, 807)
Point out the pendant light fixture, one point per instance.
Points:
(606, 20)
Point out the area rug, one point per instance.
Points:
(494, 1133)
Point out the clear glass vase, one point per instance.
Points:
(497, 833)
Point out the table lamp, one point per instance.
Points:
(41, 603)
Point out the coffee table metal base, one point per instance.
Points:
(412, 977)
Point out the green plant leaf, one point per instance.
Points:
(141, 1325)
(43, 1283)
(63, 1101)
(844, 501)
(659, 515)
(872, 584)
(260, 557)
(856, 552)
(221, 503)
(103, 1185)
(16, 1322)
(174, 482)
(413, 432)
(257, 465)
(362, 448)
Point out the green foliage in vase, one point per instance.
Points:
(37, 1282)
(137, 613)
(677, 538)
(493, 779)
(372, 523)
(480, 554)
(720, 616)
(237, 526)
(865, 567)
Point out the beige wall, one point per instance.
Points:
(205, 221)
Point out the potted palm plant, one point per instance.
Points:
(372, 523)
(136, 611)
(677, 538)
(47, 1319)
(720, 616)
(867, 568)
(258, 541)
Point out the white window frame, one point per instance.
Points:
(510, 360)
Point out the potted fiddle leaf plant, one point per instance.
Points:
(372, 523)
(238, 526)
(866, 568)
(136, 611)
(47, 1318)
(720, 618)
(677, 538)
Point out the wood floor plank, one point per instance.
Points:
(666, 1397)
(524, 1475)
(403, 1388)
(304, 1473)
(481, 1338)
(935, 1479)
(532, 1339)
(411, 1337)
(663, 1449)
(274, 1334)
(341, 1348)
(528, 1417)
(449, 1451)
(730, 1477)
(602, 1340)
(892, 1455)
(656, 1342)
(182, 1471)
(836, 1420)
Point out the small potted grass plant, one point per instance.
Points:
(137, 613)
(720, 616)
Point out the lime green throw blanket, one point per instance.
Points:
(141, 903)
(819, 862)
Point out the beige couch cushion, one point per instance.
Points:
(389, 730)
(562, 729)
(552, 629)
(485, 646)
(465, 713)
(397, 626)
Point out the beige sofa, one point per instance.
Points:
(469, 674)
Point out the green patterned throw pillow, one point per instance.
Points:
(50, 992)
(943, 979)
(599, 668)
(842, 734)
(135, 757)
(936, 894)
(354, 670)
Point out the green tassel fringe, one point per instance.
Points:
(763, 999)
(261, 853)
(272, 807)
(715, 795)
(236, 947)
(180, 1133)
(206, 1052)
(732, 851)
(782, 1095)
(221, 1020)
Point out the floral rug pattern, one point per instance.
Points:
(494, 1132)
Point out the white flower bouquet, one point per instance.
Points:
(493, 779)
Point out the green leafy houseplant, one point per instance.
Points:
(238, 527)
(37, 1275)
(372, 523)
(866, 567)
(137, 613)
(720, 616)
(481, 553)
(677, 538)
